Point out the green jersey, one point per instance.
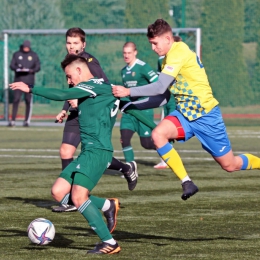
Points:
(139, 74)
(97, 110)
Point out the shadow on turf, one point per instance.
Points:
(47, 204)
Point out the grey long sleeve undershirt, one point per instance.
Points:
(153, 89)
(153, 102)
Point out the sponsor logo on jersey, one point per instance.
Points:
(82, 85)
(30, 58)
(98, 81)
(78, 166)
(169, 68)
(133, 73)
(146, 133)
(90, 59)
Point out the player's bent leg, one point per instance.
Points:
(67, 151)
(60, 188)
(126, 136)
(165, 131)
(231, 163)
(93, 216)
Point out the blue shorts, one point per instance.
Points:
(209, 129)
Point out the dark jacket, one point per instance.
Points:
(28, 61)
(95, 70)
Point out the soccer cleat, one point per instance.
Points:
(25, 124)
(189, 189)
(111, 214)
(161, 165)
(132, 175)
(11, 123)
(64, 208)
(105, 248)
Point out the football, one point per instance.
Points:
(41, 231)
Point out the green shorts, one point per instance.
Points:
(87, 168)
(129, 122)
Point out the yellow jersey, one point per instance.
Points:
(192, 92)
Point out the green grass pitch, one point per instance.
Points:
(220, 222)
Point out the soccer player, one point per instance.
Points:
(75, 44)
(197, 112)
(97, 110)
(135, 73)
(170, 106)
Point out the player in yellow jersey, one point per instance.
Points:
(197, 112)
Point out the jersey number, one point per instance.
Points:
(115, 109)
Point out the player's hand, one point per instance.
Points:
(73, 103)
(20, 85)
(120, 91)
(61, 116)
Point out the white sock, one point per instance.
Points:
(186, 178)
(106, 205)
(111, 241)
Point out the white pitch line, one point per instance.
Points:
(116, 151)
(118, 157)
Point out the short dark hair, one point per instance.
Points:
(130, 44)
(70, 58)
(158, 28)
(76, 32)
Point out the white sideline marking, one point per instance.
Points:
(115, 151)
(118, 157)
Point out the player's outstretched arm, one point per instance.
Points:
(120, 91)
(20, 86)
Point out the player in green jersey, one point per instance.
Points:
(97, 114)
(135, 73)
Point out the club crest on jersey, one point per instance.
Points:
(29, 57)
(169, 68)
(133, 74)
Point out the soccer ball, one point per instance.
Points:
(41, 231)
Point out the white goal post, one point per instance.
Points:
(6, 33)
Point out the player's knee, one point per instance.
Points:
(57, 193)
(78, 198)
(125, 141)
(66, 152)
(147, 143)
(157, 135)
(228, 167)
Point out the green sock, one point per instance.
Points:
(128, 153)
(91, 213)
(98, 202)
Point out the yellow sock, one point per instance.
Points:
(173, 160)
(250, 162)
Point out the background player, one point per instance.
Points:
(25, 63)
(197, 112)
(135, 73)
(97, 114)
(75, 44)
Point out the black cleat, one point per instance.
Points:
(131, 175)
(111, 214)
(64, 208)
(105, 248)
(189, 189)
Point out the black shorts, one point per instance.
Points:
(71, 133)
